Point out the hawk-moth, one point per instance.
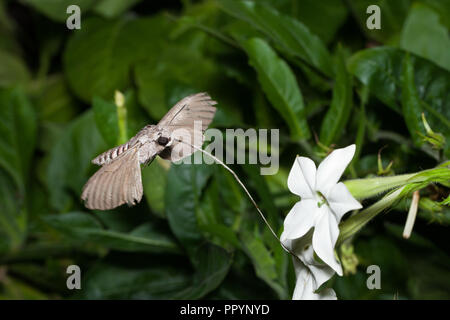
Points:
(119, 179)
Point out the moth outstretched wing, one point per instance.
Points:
(115, 183)
(187, 121)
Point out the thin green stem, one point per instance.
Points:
(121, 117)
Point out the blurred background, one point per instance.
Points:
(311, 69)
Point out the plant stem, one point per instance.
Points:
(355, 223)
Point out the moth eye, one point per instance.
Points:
(163, 140)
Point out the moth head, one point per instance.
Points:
(163, 137)
(163, 141)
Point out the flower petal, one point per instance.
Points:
(299, 220)
(320, 271)
(331, 168)
(341, 201)
(325, 235)
(305, 252)
(302, 177)
(301, 246)
(305, 285)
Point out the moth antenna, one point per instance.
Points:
(245, 189)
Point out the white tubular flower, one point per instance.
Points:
(305, 285)
(323, 203)
(310, 274)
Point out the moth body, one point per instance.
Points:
(119, 180)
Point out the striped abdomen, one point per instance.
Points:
(113, 153)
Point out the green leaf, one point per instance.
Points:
(136, 116)
(231, 193)
(57, 9)
(13, 215)
(105, 114)
(13, 70)
(117, 44)
(334, 12)
(109, 123)
(430, 284)
(361, 120)
(241, 31)
(70, 160)
(7, 26)
(159, 278)
(442, 7)
(214, 217)
(222, 232)
(290, 35)
(17, 134)
(113, 8)
(78, 226)
(154, 180)
(424, 35)
(279, 83)
(123, 219)
(257, 182)
(184, 186)
(411, 102)
(434, 212)
(337, 116)
(13, 289)
(445, 202)
(118, 124)
(155, 280)
(263, 261)
(54, 103)
(212, 264)
(381, 70)
(166, 78)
